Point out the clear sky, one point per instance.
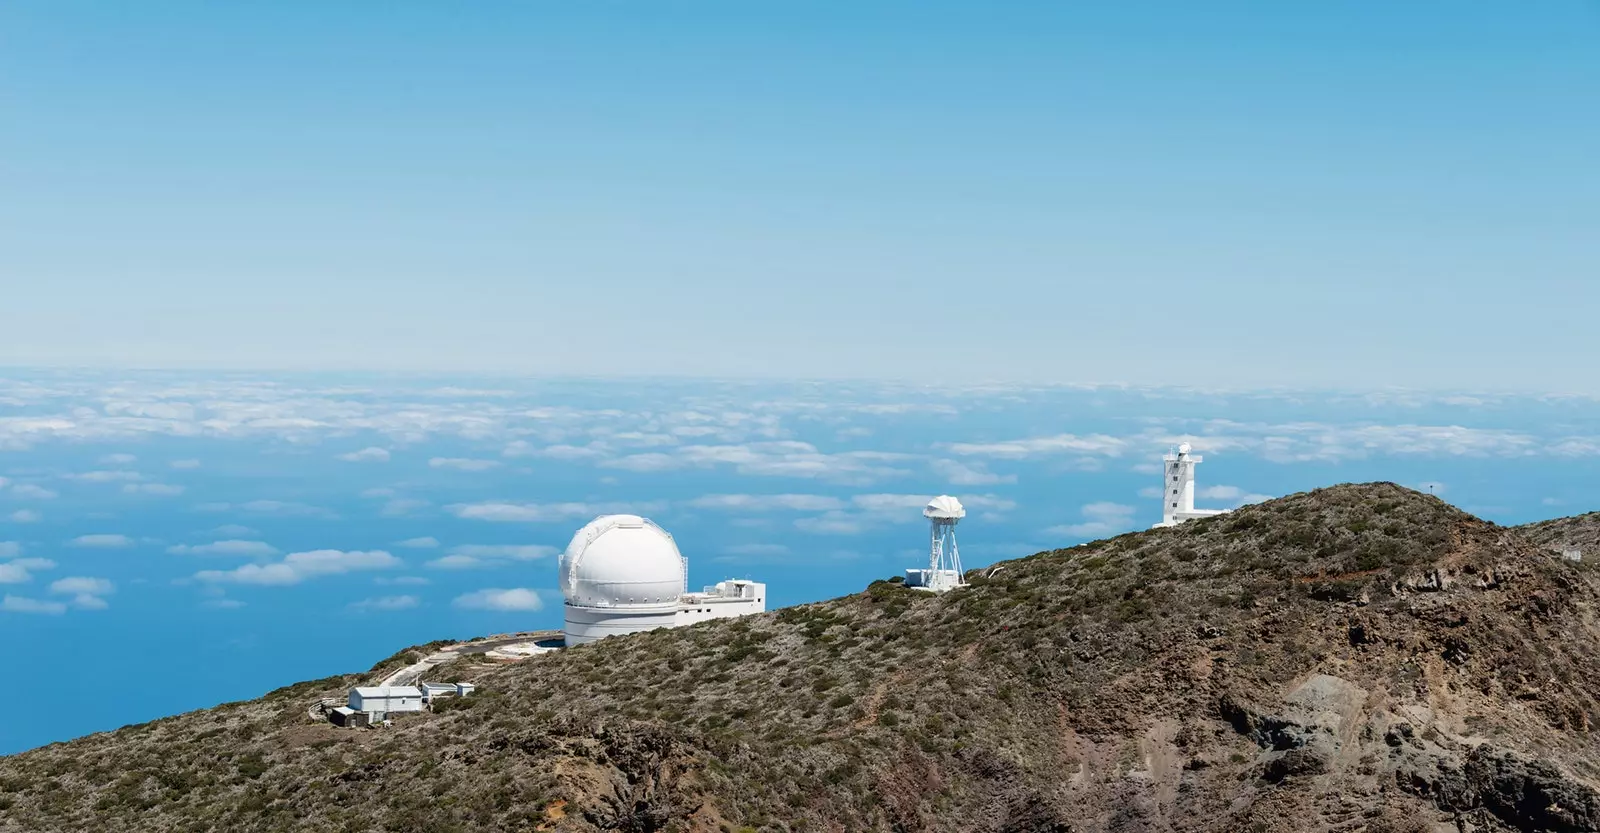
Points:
(1354, 193)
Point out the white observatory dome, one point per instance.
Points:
(622, 561)
(944, 508)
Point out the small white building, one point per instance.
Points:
(723, 600)
(382, 700)
(1177, 490)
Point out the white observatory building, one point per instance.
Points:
(1177, 491)
(623, 574)
(944, 560)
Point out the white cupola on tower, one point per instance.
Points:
(1177, 488)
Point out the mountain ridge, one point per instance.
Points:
(1360, 657)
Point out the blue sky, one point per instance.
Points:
(214, 536)
(1356, 194)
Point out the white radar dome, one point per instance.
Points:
(622, 561)
(944, 508)
(1184, 448)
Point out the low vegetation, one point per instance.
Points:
(1353, 658)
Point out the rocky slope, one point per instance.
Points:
(1358, 658)
(1579, 531)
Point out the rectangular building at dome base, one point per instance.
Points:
(933, 581)
(724, 600)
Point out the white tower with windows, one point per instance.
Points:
(944, 559)
(1177, 489)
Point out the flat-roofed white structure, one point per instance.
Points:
(623, 574)
(1177, 490)
(381, 700)
(723, 600)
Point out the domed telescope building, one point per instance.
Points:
(623, 574)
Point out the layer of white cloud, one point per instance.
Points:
(21, 570)
(83, 585)
(370, 454)
(471, 556)
(957, 473)
(299, 566)
(494, 598)
(119, 459)
(25, 516)
(768, 503)
(155, 489)
(401, 581)
(22, 604)
(234, 547)
(462, 464)
(30, 491)
(540, 512)
(269, 508)
(1092, 444)
(112, 476)
(385, 603)
(101, 541)
(1101, 519)
(426, 542)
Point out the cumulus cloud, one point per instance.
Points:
(101, 541)
(299, 566)
(9, 549)
(1101, 519)
(401, 507)
(469, 556)
(29, 491)
(229, 547)
(426, 542)
(957, 473)
(558, 451)
(21, 570)
(757, 550)
(779, 458)
(401, 580)
(537, 512)
(387, 603)
(514, 599)
(370, 454)
(273, 508)
(20, 604)
(112, 476)
(81, 586)
(156, 489)
(768, 503)
(831, 523)
(1093, 444)
(462, 464)
(25, 516)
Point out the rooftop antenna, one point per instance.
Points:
(944, 558)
